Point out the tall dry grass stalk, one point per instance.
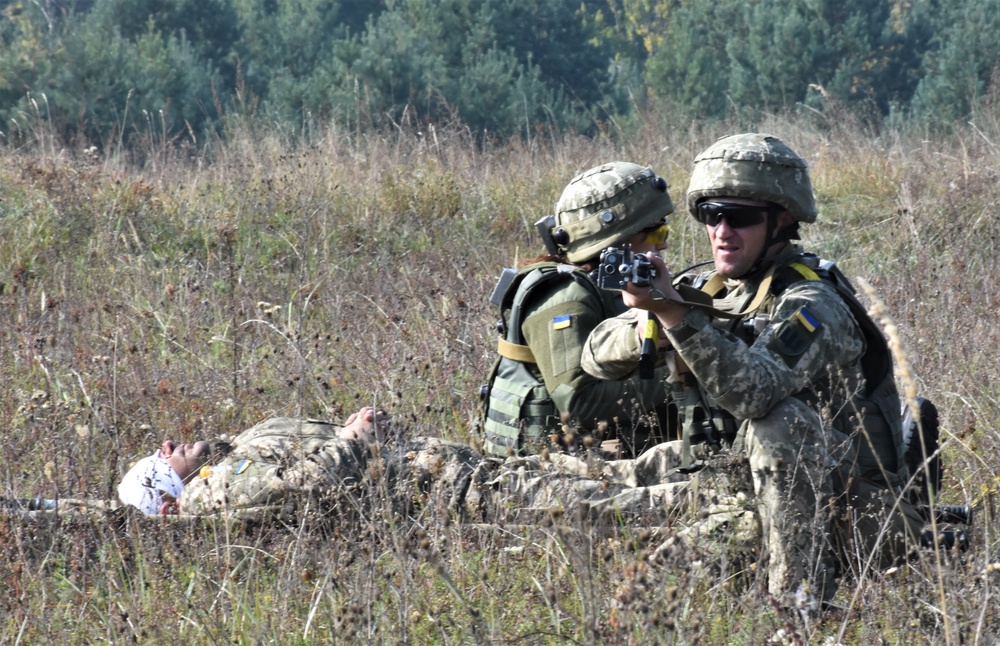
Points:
(903, 370)
(904, 373)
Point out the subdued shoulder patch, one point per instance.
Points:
(794, 335)
(562, 321)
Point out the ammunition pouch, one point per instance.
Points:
(520, 413)
(704, 429)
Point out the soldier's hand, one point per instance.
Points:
(169, 506)
(659, 297)
(661, 287)
(363, 425)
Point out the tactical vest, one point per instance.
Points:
(518, 412)
(872, 417)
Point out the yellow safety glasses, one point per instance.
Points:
(656, 235)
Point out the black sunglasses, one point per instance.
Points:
(737, 216)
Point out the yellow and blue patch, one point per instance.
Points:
(807, 320)
(794, 336)
(562, 322)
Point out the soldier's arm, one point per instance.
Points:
(810, 334)
(612, 349)
(556, 330)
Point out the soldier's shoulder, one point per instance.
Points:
(572, 297)
(816, 300)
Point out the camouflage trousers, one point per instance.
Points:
(649, 490)
(815, 509)
(95, 509)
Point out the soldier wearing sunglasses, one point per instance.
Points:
(784, 371)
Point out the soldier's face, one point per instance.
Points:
(185, 459)
(735, 249)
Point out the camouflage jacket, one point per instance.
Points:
(802, 342)
(283, 464)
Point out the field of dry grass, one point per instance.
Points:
(187, 293)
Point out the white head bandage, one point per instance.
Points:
(145, 483)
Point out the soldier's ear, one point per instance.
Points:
(785, 218)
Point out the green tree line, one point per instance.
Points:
(99, 71)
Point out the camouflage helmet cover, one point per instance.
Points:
(606, 205)
(753, 166)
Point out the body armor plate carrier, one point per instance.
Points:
(518, 411)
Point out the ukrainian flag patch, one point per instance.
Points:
(562, 322)
(794, 336)
(807, 320)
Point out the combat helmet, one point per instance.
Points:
(602, 207)
(753, 166)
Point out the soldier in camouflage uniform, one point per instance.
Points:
(784, 368)
(538, 390)
(282, 466)
(285, 470)
(289, 471)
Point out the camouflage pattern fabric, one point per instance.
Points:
(646, 491)
(270, 461)
(293, 461)
(281, 464)
(93, 509)
(608, 204)
(805, 362)
(753, 166)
